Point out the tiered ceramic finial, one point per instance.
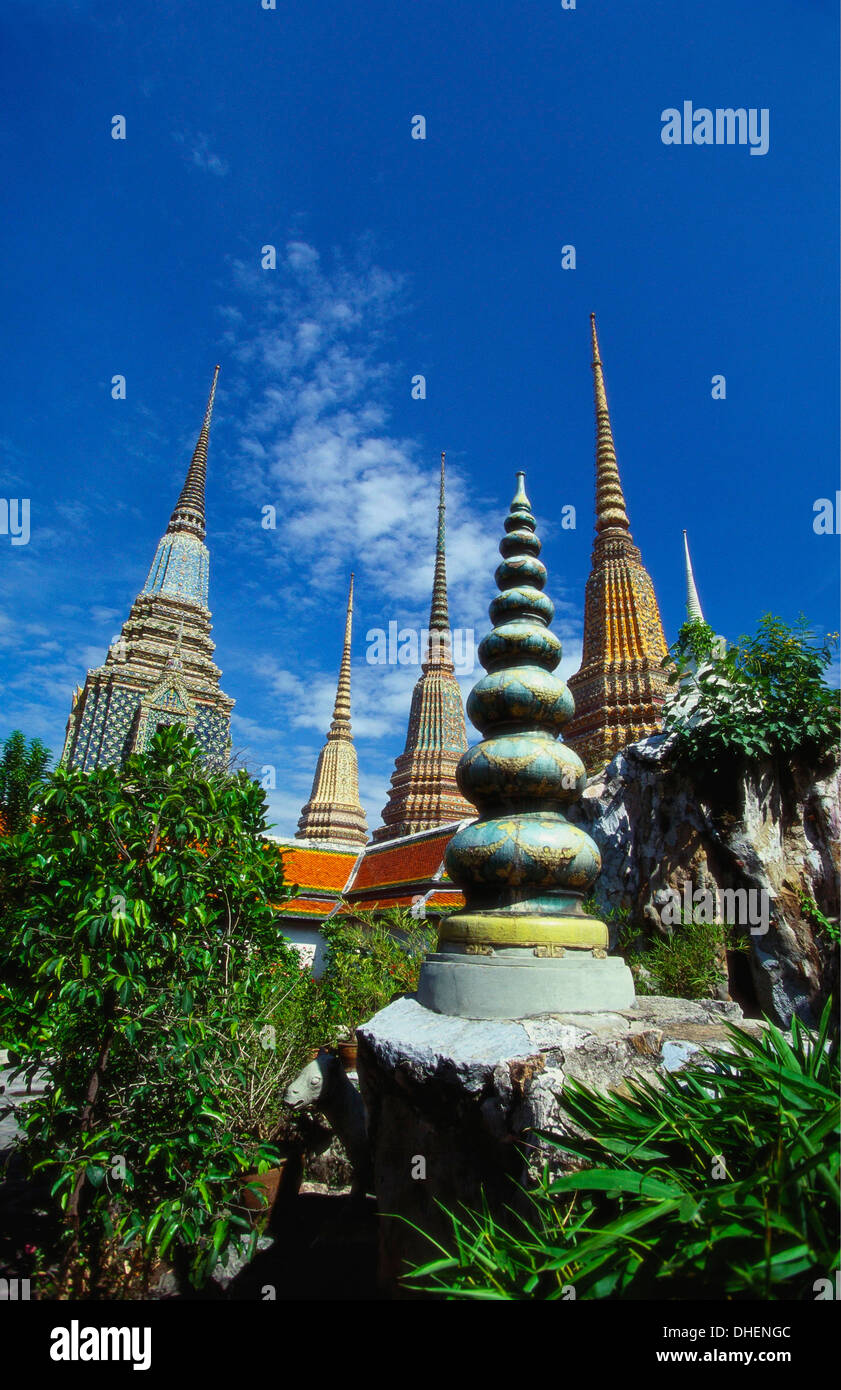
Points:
(694, 613)
(522, 945)
(334, 811)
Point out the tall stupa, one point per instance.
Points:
(424, 792)
(160, 671)
(334, 811)
(620, 685)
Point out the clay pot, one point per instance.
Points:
(260, 1203)
(276, 1186)
(348, 1049)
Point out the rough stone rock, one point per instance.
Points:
(776, 832)
(454, 1105)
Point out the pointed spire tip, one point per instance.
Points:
(439, 613)
(520, 498)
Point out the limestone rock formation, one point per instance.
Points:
(471, 1098)
(771, 832)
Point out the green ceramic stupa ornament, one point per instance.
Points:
(522, 944)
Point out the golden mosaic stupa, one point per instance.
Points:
(620, 685)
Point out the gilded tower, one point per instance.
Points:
(160, 671)
(334, 811)
(620, 685)
(424, 792)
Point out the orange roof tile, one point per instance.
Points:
(306, 907)
(440, 900)
(317, 868)
(407, 863)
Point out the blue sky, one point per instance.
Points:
(442, 256)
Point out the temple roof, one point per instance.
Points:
(400, 873)
(435, 900)
(412, 859)
(319, 872)
(335, 879)
(322, 867)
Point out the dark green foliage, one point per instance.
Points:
(722, 1183)
(371, 959)
(696, 640)
(823, 923)
(688, 964)
(765, 697)
(143, 964)
(22, 769)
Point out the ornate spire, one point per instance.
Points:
(147, 679)
(610, 500)
(693, 603)
(181, 566)
(189, 509)
(439, 618)
(620, 685)
(340, 727)
(523, 944)
(334, 811)
(423, 786)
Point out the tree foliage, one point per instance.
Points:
(22, 769)
(371, 958)
(142, 960)
(764, 697)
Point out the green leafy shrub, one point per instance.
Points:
(22, 769)
(696, 640)
(720, 1183)
(825, 924)
(688, 964)
(764, 697)
(143, 963)
(371, 958)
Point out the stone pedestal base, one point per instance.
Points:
(455, 1104)
(514, 983)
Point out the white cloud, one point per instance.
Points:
(197, 151)
(317, 375)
